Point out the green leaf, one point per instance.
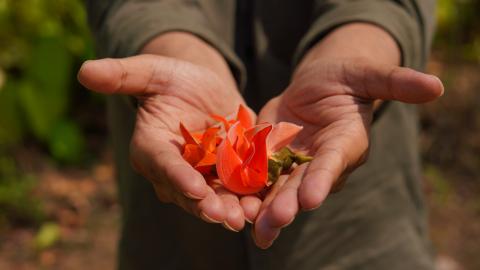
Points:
(67, 143)
(47, 236)
(44, 96)
(11, 127)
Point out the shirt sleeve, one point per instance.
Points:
(409, 22)
(122, 27)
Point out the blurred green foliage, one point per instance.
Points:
(458, 29)
(42, 43)
(17, 205)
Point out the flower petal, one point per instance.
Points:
(222, 119)
(209, 139)
(244, 116)
(192, 153)
(187, 136)
(230, 171)
(249, 133)
(257, 164)
(208, 159)
(236, 135)
(282, 134)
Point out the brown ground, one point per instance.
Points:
(82, 201)
(451, 148)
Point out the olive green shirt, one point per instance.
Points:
(376, 222)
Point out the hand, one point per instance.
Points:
(168, 92)
(334, 101)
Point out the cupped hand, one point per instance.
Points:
(334, 101)
(170, 91)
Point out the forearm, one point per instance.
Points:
(355, 40)
(187, 47)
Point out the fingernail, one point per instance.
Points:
(440, 82)
(288, 223)
(248, 220)
(269, 244)
(310, 209)
(228, 227)
(191, 196)
(208, 219)
(267, 231)
(266, 245)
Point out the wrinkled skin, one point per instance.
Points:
(168, 92)
(332, 98)
(334, 101)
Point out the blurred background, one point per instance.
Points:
(58, 206)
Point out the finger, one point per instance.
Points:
(284, 206)
(130, 76)
(210, 209)
(164, 163)
(281, 211)
(340, 149)
(163, 192)
(273, 191)
(251, 207)
(262, 232)
(264, 235)
(392, 83)
(235, 219)
(326, 167)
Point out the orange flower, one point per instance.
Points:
(199, 149)
(241, 156)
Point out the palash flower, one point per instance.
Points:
(199, 149)
(248, 158)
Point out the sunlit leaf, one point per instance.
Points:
(47, 236)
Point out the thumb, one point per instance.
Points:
(130, 76)
(393, 83)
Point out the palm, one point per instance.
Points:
(190, 102)
(168, 92)
(329, 125)
(334, 102)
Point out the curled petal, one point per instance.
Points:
(243, 116)
(249, 133)
(244, 176)
(192, 153)
(229, 166)
(208, 159)
(236, 135)
(197, 136)
(222, 119)
(257, 164)
(282, 134)
(209, 139)
(187, 136)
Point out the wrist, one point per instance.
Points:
(355, 41)
(188, 47)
